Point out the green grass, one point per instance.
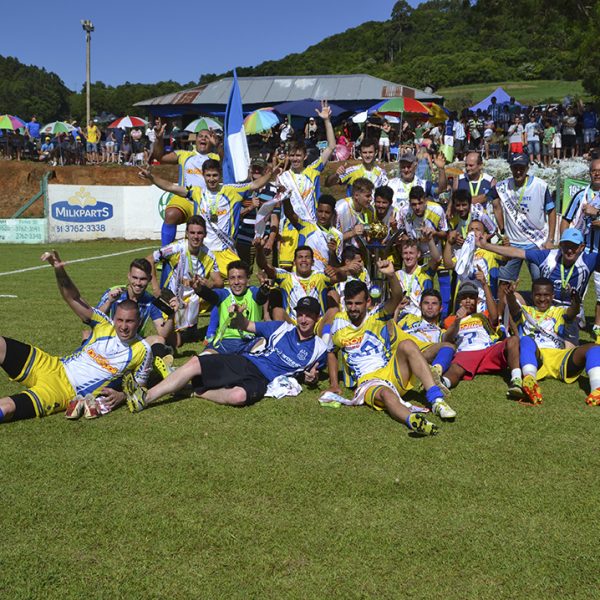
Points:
(528, 92)
(286, 499)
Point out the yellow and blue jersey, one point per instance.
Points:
(377, 175)
(103, 357)
(550, 329)
(424, 332)
(294, 287)
(190, 167)
(316, 237)
(413, 285)
(367, 347)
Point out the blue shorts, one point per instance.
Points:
(510, 270)
(233, 346)
(91, 147)
(533, 147)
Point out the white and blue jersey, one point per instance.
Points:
(285, 353)
(144, 302)
(576, 276)
(575, 216)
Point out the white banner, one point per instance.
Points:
(90, 212)
(23, 231)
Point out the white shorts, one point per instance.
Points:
(557, 141)
(384, 142)
(597, 285)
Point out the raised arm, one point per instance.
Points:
(261, 259)
(241, 322)
(506, 251)
(163, 184)
(489, 297)
(325, 114)
(67, 288)
(574, 307)
(511, 300)
(396, 294)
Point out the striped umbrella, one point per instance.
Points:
(11, 122)
(127, 122)
(260, 120)
(398, 106)
(203, 124)
(57, 127)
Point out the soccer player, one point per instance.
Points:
(476, 183)
(427, 333)
(180, 209)
(463, 212)
(543, 348)
(384, 367)
(324, 239)
(382, 206)
(367, 169)
(221, 337)
(407, 181)
(478, 346)
(219, 205)
(523, 205)
(242, 379)
(302, 185)
(113, 349)
(190, 262)
(355, 213)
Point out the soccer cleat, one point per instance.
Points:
(442, 410)
(419, 424)
(596, 332)
(515, 389)
(436, 373)
(532, 389)
(594, 398)
(90, 410)
(164, 365)
(75, 408)
(136, 396)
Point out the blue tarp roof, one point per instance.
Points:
(501, 98)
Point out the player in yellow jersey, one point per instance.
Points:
(543, 349)
(384, 366)
(113, 349)
(180, 209)
(219, 205)
(302, 185)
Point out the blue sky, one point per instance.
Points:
(153, 41)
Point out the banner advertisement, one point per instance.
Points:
(23, 231)
(570, 188)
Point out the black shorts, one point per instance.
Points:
(232, 370)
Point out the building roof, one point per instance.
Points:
(346, 90)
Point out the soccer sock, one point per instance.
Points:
(528, 356)
(592, 366)
(407, 421)
(167, 234)
(433, 394)
(159, 349)
(445, 285)
(443, 358)
(1, 415)
(515, 374)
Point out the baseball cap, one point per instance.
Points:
(467, 288)
(258, 162)
(408, 157)
(521, 160)
(572, 235)
(308, 304)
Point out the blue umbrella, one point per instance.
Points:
(306, 108)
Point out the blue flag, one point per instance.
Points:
(236, 158)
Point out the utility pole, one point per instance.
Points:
(88, 27)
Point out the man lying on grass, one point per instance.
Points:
(242, 379)
(544, 352)
(73, 382)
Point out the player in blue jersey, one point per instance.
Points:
(112, 349)
(242, 379)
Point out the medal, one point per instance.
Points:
(214, 218)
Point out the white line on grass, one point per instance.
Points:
(8, 296)
(77, 260)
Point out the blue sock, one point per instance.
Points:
(167, 234)
(444, 282)
(433, 393)
(528, 350)
(444, 358)
(1, 415)
(592, 358)
(326, 328)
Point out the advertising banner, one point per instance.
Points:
(23, 231)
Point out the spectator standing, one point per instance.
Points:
(93, 137)
(33, 131)
(532, 133)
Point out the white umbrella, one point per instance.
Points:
(360, 117)
(203, 124)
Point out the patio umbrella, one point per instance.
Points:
(260, 120)
(127, 122)
(204, 124)
(57, 127)
(398, 106)
(11, 122)
(306, 108)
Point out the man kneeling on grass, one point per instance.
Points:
(242, 379)
(544, 352)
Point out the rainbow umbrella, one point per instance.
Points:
(260, 120)
(398, 106)
(127, 122)
(204, 124)
(11, 122)
(57, 127)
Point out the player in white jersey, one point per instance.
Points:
(52, 383)
(407, 180)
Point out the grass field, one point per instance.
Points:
(286, 499)
(528, 92)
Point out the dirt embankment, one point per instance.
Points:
(20, 181)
